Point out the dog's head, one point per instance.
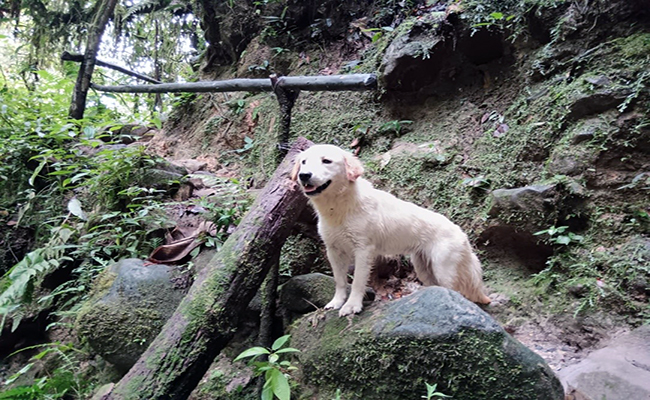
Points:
(325, 167)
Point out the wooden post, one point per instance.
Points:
(286, 98)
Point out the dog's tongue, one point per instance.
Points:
(309, 188)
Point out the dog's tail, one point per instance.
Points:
(469, 278)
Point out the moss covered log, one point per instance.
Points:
(206, 319)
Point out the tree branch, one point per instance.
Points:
(79, 58)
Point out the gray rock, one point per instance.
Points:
(302, 293)
(190, 165)
(435, 336)
(618, 371)
(571, 161)
(603, 99)
(534, 198)
(130, 304)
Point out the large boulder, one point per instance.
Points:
(618, 371)
(130, 305)
(434, 336)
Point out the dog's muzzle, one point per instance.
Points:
(310, 190)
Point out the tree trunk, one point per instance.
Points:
(78, 103)
(206, 318)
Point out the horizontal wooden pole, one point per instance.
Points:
(308, 83)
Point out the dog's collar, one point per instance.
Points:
(319, 189)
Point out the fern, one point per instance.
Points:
(21, 279)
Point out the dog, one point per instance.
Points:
(358, 223)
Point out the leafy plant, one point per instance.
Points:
(494, 19)
(238, 106)
(64, 382)
(432, 393)
(395, 126)
(275, 370)
(559, 235)
(477, 182)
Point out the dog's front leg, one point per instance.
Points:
(339, 264)
(362, 266)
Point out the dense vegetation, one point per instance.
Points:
(74, 197)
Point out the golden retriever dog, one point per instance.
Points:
(358, 223)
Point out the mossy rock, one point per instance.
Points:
(434, 336)
(130, 304)
(226, 380)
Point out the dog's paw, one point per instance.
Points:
(349, 308)
(335, 304)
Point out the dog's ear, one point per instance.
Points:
(296, 169)
(353, 167)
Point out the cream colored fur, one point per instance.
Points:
(358, 222)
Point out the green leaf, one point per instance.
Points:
(287, 350)
(563, 239)
(267, 392)
(280, 384)
(279, 342)
(497, 15)
(17, 375)
(36, 172)
(252, 352)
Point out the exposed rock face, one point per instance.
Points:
(131, 304)
(618, 371)
(435, 51)
(435, 336)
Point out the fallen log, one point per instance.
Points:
(206, 318)
(308, 83)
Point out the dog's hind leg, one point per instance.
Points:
(339, 264)
(469, 281)
(362, 265)
(423, 269)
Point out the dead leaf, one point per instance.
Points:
(183, 241)
(501, 130)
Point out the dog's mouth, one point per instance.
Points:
(311, 190)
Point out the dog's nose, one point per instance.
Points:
(304, 176)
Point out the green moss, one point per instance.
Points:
(635, 46)
(116, 331)
(366, 367)
(302, 254)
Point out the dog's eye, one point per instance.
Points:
(326, 161)
(304, 162)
